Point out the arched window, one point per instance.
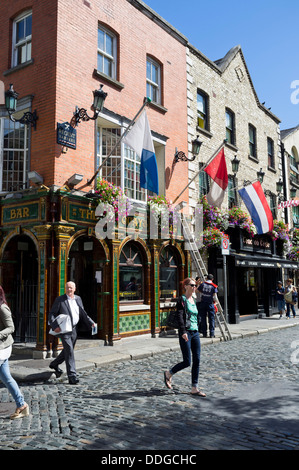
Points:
(169, 279)
(131, 273)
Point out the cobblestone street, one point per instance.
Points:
(252, 403)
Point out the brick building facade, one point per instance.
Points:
(56, 54)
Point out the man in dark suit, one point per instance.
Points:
(68, 304)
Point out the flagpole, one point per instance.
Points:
(146, 102)
(201, 169)
(244, 186)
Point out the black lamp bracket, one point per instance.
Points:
(27, 118)
(182, 156)
(80, 114)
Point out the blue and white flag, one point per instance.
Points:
(140, 139)
(258, 207)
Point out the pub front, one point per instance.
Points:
(127, 284)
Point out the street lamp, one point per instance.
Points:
(11, 99)
(196, 144)
(99, 97)
(260, 175)
(279, 186)
(235, 165)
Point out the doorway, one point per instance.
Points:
(20, 284)
(86, 262)
(247, 291)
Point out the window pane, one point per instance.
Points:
(109, 45)
(28, 51)
(148, 70)
(228, 120)
(107, 66)
(101, 40)
(28, 28)
(20, 30)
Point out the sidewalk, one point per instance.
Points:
(92, 353)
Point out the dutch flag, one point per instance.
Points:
(258, 207)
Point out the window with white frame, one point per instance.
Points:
(107, 52)
(122, 168)
(153, 80)
(14, 151)
(22, 37)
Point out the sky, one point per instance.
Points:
(266, 30)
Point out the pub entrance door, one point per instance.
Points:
(20, 284)
(85, 267)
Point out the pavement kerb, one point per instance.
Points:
(94, 355)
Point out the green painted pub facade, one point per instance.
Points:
(48, 237)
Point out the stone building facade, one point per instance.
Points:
(223, 104)
(226, 85)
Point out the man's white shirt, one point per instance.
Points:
(74, 309)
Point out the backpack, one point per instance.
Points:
(172, 319)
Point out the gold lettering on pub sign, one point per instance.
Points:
(19, 213)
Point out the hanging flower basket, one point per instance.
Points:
(239, 218)
(212, 237)
(280, 231)
(108, 193)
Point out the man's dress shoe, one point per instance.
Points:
(58, 372)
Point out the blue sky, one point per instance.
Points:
(266, 30)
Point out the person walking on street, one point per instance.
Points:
(70, 305)
(208, 292)
(188, 320)
(6, 341)
(291, 297)
(281, 305)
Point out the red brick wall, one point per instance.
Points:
(37, 79)
(64, 50)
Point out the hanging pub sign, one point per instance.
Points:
(66, 135)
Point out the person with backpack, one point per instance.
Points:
(291, 297)
(188, 322)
